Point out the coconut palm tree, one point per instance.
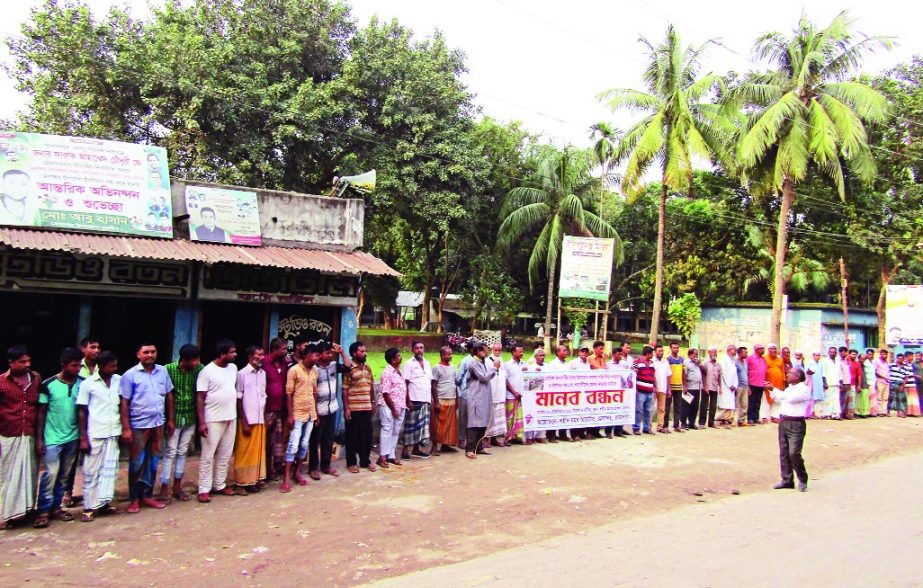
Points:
(560, 205)
(678, 128)
(806, 113)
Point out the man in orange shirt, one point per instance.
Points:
(775, 375)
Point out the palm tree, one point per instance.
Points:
(678, 128)
(561, 206)
(800, 273)
(805, 114)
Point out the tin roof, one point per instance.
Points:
(331, 262)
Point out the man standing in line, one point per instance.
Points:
(146, 391)
(419, 376)
(89, 347)
(677, 389)
(775, 374)
(743, 388)
(871, 394)
(792, 429)
(559, 363)
(183, 373)
(216, 405)
(618, 362)
(727, 393)
(537, 365)
(645, 382)
(359, 398)
(581, 364)
(756, 372)
(708, 405)
(461, 380)
(392, 404)
(515, 386)
(693, 371)
(275, 365)
(883, 382)
(480, 396)
(19, 391)
(832, 374)
(100, 426)
(626, 353)
(56, 436)
(662, 373)
(301, 412)
(815, 377)
(445, 405)
(847, 395)
(320, 447)
(856, 394)
(598, 360)
(496, 430)
(250, 442)
(897, 398)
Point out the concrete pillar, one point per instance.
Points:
(185, 326)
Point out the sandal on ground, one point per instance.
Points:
(382, 463)
(135, 507)
(396, 462)
(182, 496)
(205, 497)
(371, 467)
(285, 488)
(87, 516)
(353, 469)
(228, 491)
(63, 515)
(332, 472)
(110, 510)
(470, 455)
(41, 521)
(315, 475)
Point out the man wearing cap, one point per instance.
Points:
(756, 374)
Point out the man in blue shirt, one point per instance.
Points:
(146, 390)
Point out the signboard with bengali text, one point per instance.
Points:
(577, 399)
(586, 267)
(84, 184)
(223, 215)
(904, 315)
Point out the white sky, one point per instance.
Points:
(543, 62)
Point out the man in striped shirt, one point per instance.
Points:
(644, 380)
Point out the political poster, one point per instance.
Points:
(568, 399)
(84, 184)
(586, 267)
(222, 215)
(904, 315)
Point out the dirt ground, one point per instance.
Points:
(365, 527)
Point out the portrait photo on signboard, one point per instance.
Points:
(220, 215)
(84, 184)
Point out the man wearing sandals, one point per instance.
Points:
(301, 394)
(217, 408)
(56, 436)
(100, 426)
(183, 373)
(147, 393)
(19, 389)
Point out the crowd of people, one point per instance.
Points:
(277, 412)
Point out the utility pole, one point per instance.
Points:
(844, 287)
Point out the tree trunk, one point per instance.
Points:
(844, 291)
(658, 272)
(549, 307)
(778, 291)
(880, 307)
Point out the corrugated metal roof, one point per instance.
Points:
(330, 262)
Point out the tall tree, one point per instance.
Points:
(805, 113)
(561, 204)
(678, 128)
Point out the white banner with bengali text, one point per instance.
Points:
(577, 399)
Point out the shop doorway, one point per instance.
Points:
(44, 323)
(245, 324)
(122, 323)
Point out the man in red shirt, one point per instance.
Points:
(275, 364)
(19, 389)
(856, 373)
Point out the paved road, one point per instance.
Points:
(858, 527)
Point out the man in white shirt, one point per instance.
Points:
(727, 395)
(419, 376)
(559, 363)
(792, 428)
(662, 373)
(515, 386)
(581, 364)
(536, 365)
(216, 403)
(832, 379)
(496, 430)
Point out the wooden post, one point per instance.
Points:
(844, 287)
(557, 331)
